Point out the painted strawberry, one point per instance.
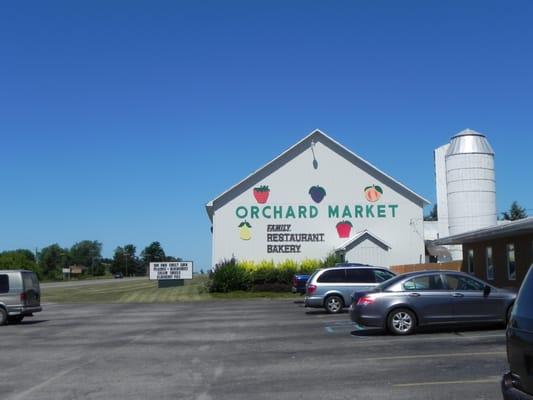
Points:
(317, 193)
(261, 194)
(344, 228)
(244, 230)
(373, 193)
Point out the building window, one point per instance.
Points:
(511, 262)
(490, 265)
(470, 261)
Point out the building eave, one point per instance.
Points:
(315, 136)
(346, 245)
(514, 228)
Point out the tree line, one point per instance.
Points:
(516, 212)
(49, 261)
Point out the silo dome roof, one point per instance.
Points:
(468, 142)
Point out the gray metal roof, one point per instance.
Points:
(514, 228)
(360, 236)
(468, 142)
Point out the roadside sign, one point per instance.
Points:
(171, 270)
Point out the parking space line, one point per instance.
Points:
(492, 379)
(341, 326)
(444, 355)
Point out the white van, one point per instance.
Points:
(20, 295)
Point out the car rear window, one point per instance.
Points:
(30, 281)
(333, 276)
(525, 297)
(382, 276)
(461, 283)
(360, 275)
(4, 284)
(427, 282)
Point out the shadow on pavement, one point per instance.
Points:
(457, 330)
(319, 311)
(33, 322)
(369, 332)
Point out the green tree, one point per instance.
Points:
(515, 212)
(19, 259)
(433, 214)
(153, 253)
(52, 260)
(125, 260)
(89, 254)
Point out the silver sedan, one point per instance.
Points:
(408, 301)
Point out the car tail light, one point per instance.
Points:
(365, 301)
(23, 297)
(311, 289)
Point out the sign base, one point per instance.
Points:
(166, 283)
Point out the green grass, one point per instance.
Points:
(145, 291)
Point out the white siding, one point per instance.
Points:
(368, 252)
(344, 184)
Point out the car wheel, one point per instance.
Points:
(3, 316)
(334, 304)
(401, 322)
(16, 319)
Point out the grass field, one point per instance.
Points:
(145, 291)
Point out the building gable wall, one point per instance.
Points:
(292, 224)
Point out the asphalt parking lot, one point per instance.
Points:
(252, 349)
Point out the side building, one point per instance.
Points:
(315, 198)
(500, 254)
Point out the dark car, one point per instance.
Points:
(119, 275)
(298, 283)
(424, 298)
(517, 384)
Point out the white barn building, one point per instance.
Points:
(315, 198)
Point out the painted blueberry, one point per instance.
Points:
(317, 193)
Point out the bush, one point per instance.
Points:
(331, 260)
(310, 266)
(286, 270)
(232, 275)
(228, 276)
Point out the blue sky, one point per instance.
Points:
(119, 120)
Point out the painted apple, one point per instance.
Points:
(261, 194)
(373, 193)
(317, 193)
(244, 230)
(344, 228)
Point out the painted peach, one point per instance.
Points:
(373, 193)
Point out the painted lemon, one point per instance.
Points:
(244, 230)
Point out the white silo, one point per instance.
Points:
(470, 183)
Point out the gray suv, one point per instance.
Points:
(20, 295)
(332, 288)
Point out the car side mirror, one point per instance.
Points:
(486, 290)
